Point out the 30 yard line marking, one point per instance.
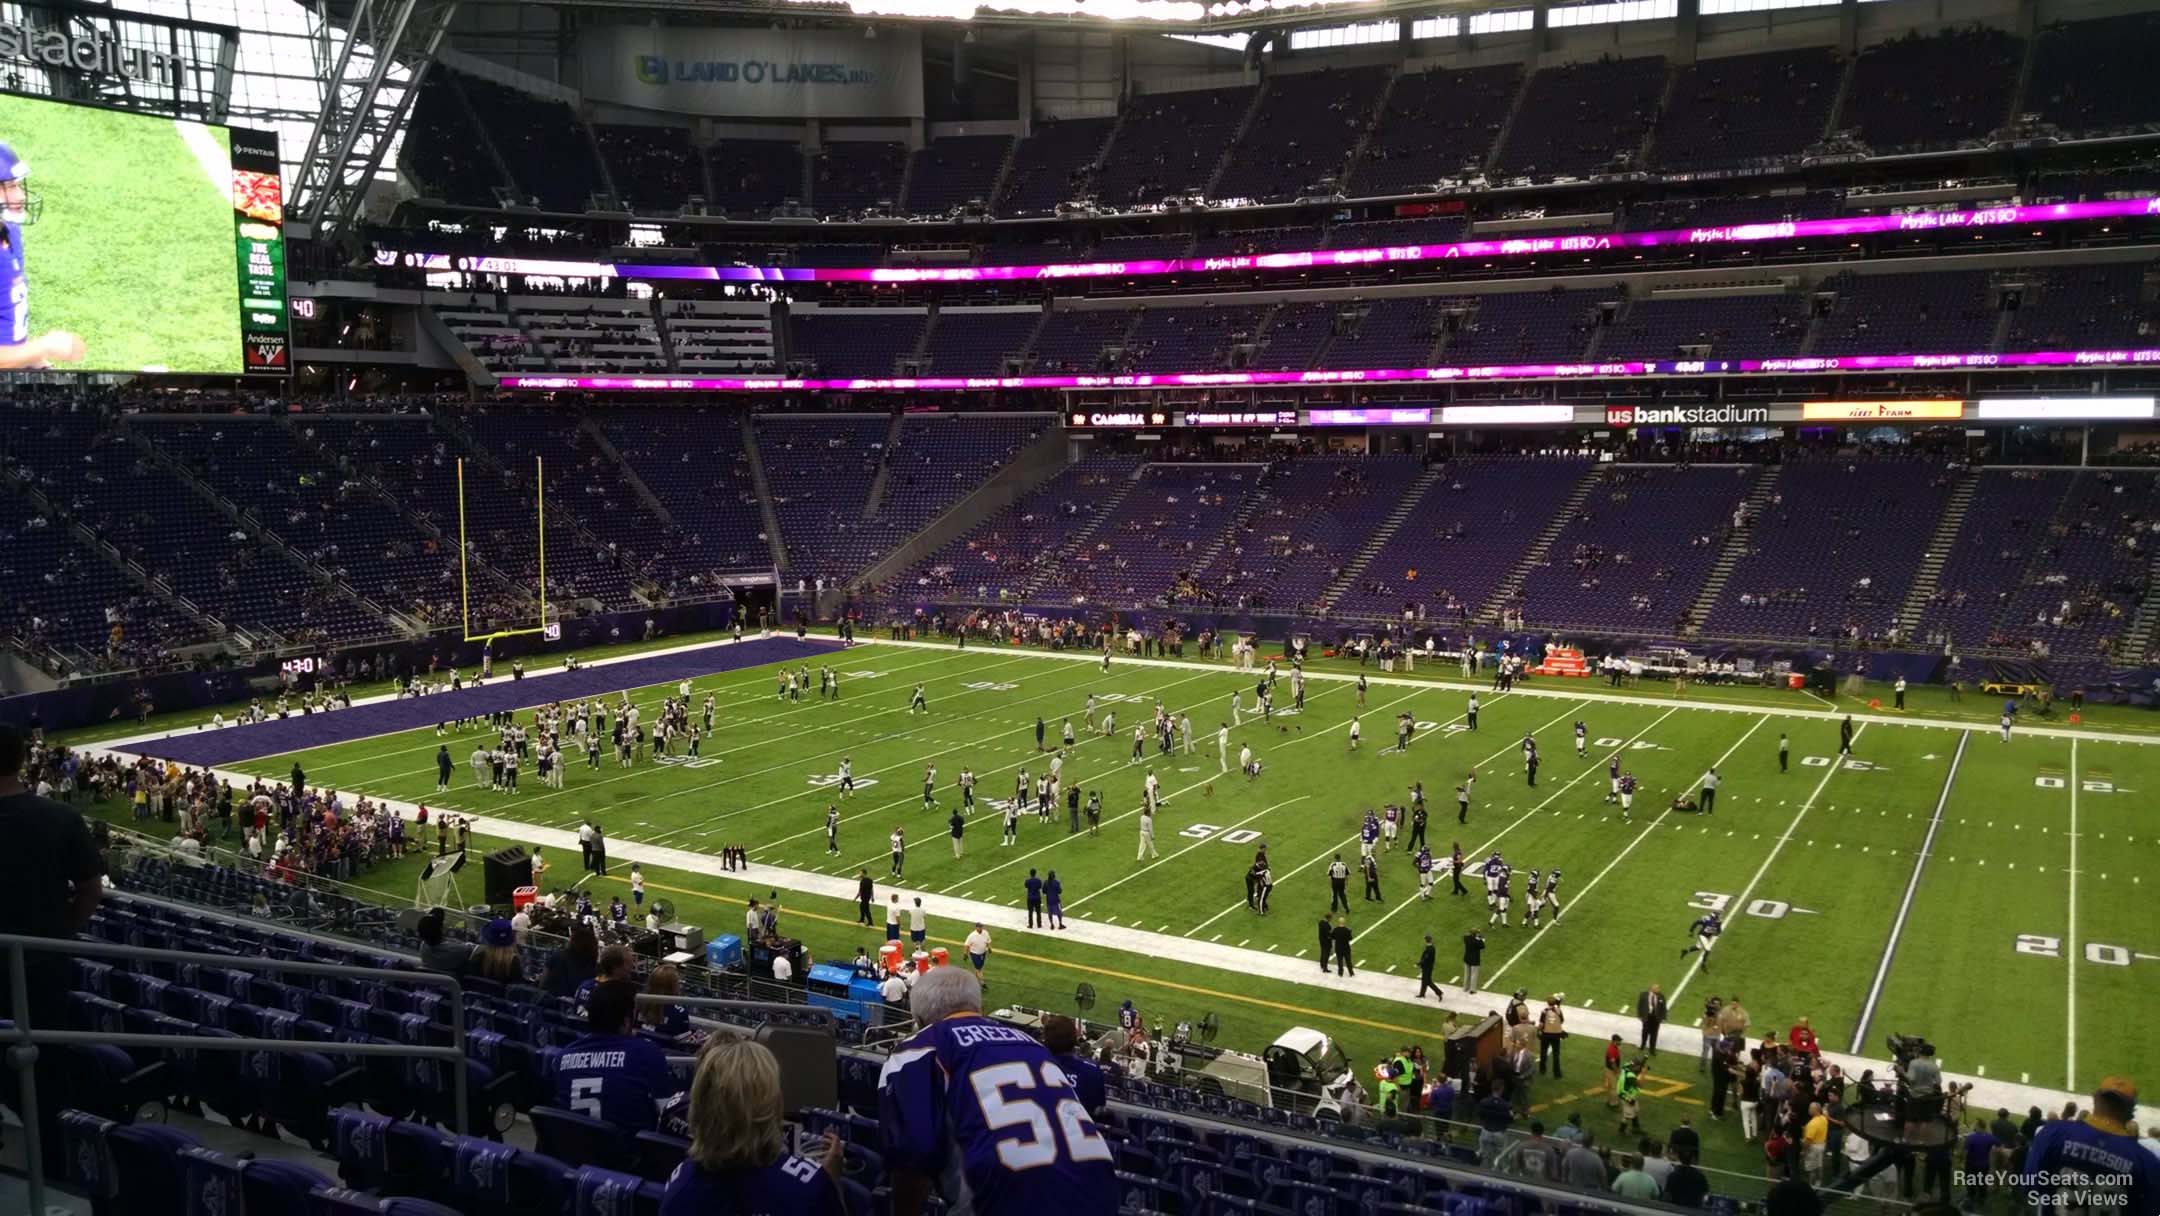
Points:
(1590, 886)
(1778, 847)
(2070, 956)
(1912, 888)
(1518, 822)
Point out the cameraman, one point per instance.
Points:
(1920, 1097)
(1711, 1032)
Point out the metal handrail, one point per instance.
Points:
(23, 1039)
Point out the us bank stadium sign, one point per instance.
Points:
(89, 54)
(1686, 415)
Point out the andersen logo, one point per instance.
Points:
(1685, 415)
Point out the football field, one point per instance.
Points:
(1939, 881)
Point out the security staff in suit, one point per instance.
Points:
(1327, 939)
(1650, 1010)
(1424, 970)
(1342, 947)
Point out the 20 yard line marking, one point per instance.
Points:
(1912, 888)
(1764, 868)
(2071, 956)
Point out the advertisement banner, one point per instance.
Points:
(1130, 420)
(1881, 411)
(1250, 418)
(1686, 415)
(755, 73)
(2063, 409)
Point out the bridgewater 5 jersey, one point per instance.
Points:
(987, 1112)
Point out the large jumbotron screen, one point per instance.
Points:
(138, 243)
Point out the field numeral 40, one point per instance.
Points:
(2051, 947)
(1210, 831)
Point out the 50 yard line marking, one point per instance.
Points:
(1912, 888)
(2070, 956)
(1741, 900)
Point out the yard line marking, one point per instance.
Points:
(1912, 888)
(1130, 875)
(1182, 791)
(1741, 901)
(797, 762)
(982, 816)
(1511, 746)
(664, 689)
(1641, 836)
(1570, 784)
(2070, 1002)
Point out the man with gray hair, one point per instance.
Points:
(985, 1114)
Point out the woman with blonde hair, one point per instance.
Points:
(738, 1161)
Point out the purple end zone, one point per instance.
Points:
(298, 733)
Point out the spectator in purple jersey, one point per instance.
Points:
(611, 1074)
(1062, 1036)
(738, 1162)
(981, 1112)
(614, 964)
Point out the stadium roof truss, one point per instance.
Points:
(371, 56)
(1097, 16)
(194, 79)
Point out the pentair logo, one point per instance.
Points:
(1619, 415)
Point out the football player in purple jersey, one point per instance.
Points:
(18, 209)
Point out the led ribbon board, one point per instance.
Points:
(1723, 234)
(1398, 375)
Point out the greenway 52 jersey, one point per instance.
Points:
(987, 1111)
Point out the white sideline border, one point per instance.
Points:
(1987, 1092)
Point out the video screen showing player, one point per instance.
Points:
(123, 238)
(19, 209)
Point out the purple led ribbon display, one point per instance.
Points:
(1725, 234)
(1513, 371)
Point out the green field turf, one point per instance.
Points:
(1812, 865)
(133, 249)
